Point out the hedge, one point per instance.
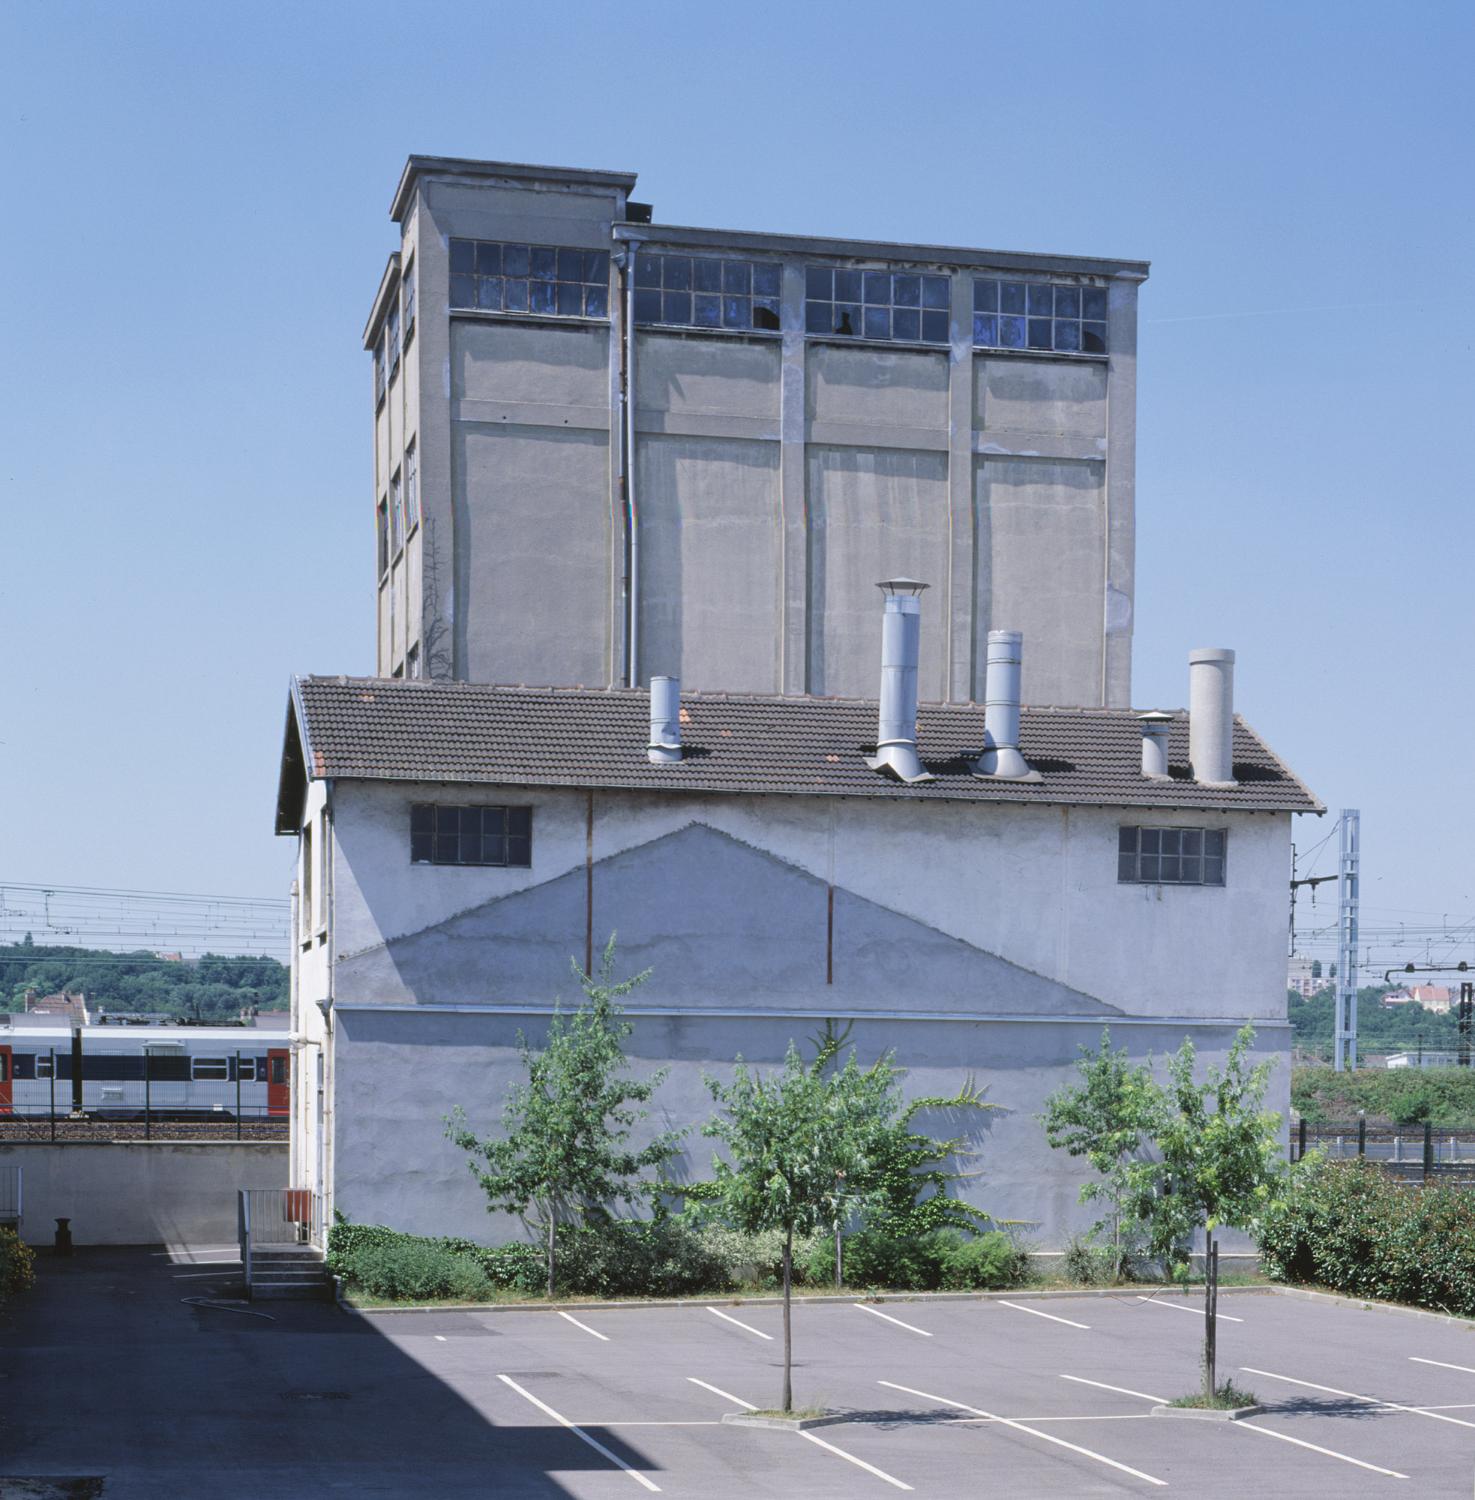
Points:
(17, 1265)
(1352, 1227)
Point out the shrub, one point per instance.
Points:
(638, 1258)
(1353, 1228)
(944, 1259)
(415, 1271)
(1090, 1264)
(17, 1265)
(982, 1262)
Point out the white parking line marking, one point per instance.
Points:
(1197, 1312)
(579, 1432)
(440, 1338)
(726, 1395)
(1121, 1390)
(1315, 1448)
(603, 1337)
(747, 1327)
(198, 1276)
(1044, 1437)
(838, 1452)
(877, 1313)
(1465, 1369)
(1331, 1390)
(1020, 1307)
(859, 1463)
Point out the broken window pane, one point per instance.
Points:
(725, 292)
(882, 305)
(491, 276)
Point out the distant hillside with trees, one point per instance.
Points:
(211, 988)
(1380, 1028)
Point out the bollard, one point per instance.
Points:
(1397, 1148)
(1301, 1138)
(1361, 1137)
(63, 1237)
(1428, 1149)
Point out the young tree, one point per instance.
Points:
(792, 1139)
(1221, 1161)
(564, 1148)
(1104, 1119)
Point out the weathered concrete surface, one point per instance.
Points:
(141, 1192)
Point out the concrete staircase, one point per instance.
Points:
(296, 1272)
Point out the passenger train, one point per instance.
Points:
(171, 1072)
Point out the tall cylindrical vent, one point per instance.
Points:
(1155, 729)
(1001, 759)
(665, 720)
(901, 638)
(1211, 716)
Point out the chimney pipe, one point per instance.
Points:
(1001, 760)
(901, 635)
(1155, 727)
(1211, 716)
(665, 720)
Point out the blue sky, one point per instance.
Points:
(198, 200)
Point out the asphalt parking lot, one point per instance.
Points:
(108, 1374)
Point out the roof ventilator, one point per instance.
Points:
(1001, 760)
(665, 720)
(901, 634)
(1155, 726)
(1211, 716)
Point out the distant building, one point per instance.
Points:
(1424, 1059)
(1308, 977)
(65, 1009)
(1437, 998)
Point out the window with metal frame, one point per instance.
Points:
(457, 835)
(209, 1069)
(1038, 315)
(407, 299)
(383, 536)
(379, 376)
(906, 307)
(396, 514)
(546, 280)
(707, 291)
(412, 487)
(1171, 856)
(391, 334)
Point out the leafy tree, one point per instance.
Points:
(1104, 1119)
(565, 1150)
(1220, 1163)
(799, 1143)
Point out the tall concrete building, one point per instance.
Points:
(608, 448)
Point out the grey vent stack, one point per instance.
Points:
(665, 720)
(1001, 760)
(1155, 728)
(901, 638)
(1211, 716)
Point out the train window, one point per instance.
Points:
(43, 1065)
(278, 1070)
(4, 1067)
(246, 1069)
(209, 1068)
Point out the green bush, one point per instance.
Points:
(945, 1259)
(638, 1258)
(982, 1262)
(1092, 1265)
(417, 1272)
(1354, 1228)
(17, 1265)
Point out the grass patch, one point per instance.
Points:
(1227, 1398)
(798, 1414)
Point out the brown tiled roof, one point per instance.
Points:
(380, 729)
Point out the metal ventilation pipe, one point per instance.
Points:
(901, 638)
(1001, 760)
(665, 720)
(1155, 727)
(1211, 716)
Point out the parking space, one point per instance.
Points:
(140, 1368)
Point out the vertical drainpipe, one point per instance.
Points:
(632, 515)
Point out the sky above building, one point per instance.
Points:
(199, 221)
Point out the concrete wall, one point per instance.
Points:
(406, 1072)
(140, 1192)
(778, 476)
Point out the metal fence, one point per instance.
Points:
(1415, 1153)
(276, 1218)
(11, 1194)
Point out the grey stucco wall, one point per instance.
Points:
(141, 1192)
(406, 1071)
(778, 477)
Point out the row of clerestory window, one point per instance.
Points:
(724, 292)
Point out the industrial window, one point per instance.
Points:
(407, 296)
(304, 912)
(391, 334)
(209, 1069)
(1037, 315)
(706, 291)
(1171, 856)
(383, 533)
(379, 373)
(396, 514)
(491, 276)
(441, 835)
(412, 487)
(412, 663)
(903, 306)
